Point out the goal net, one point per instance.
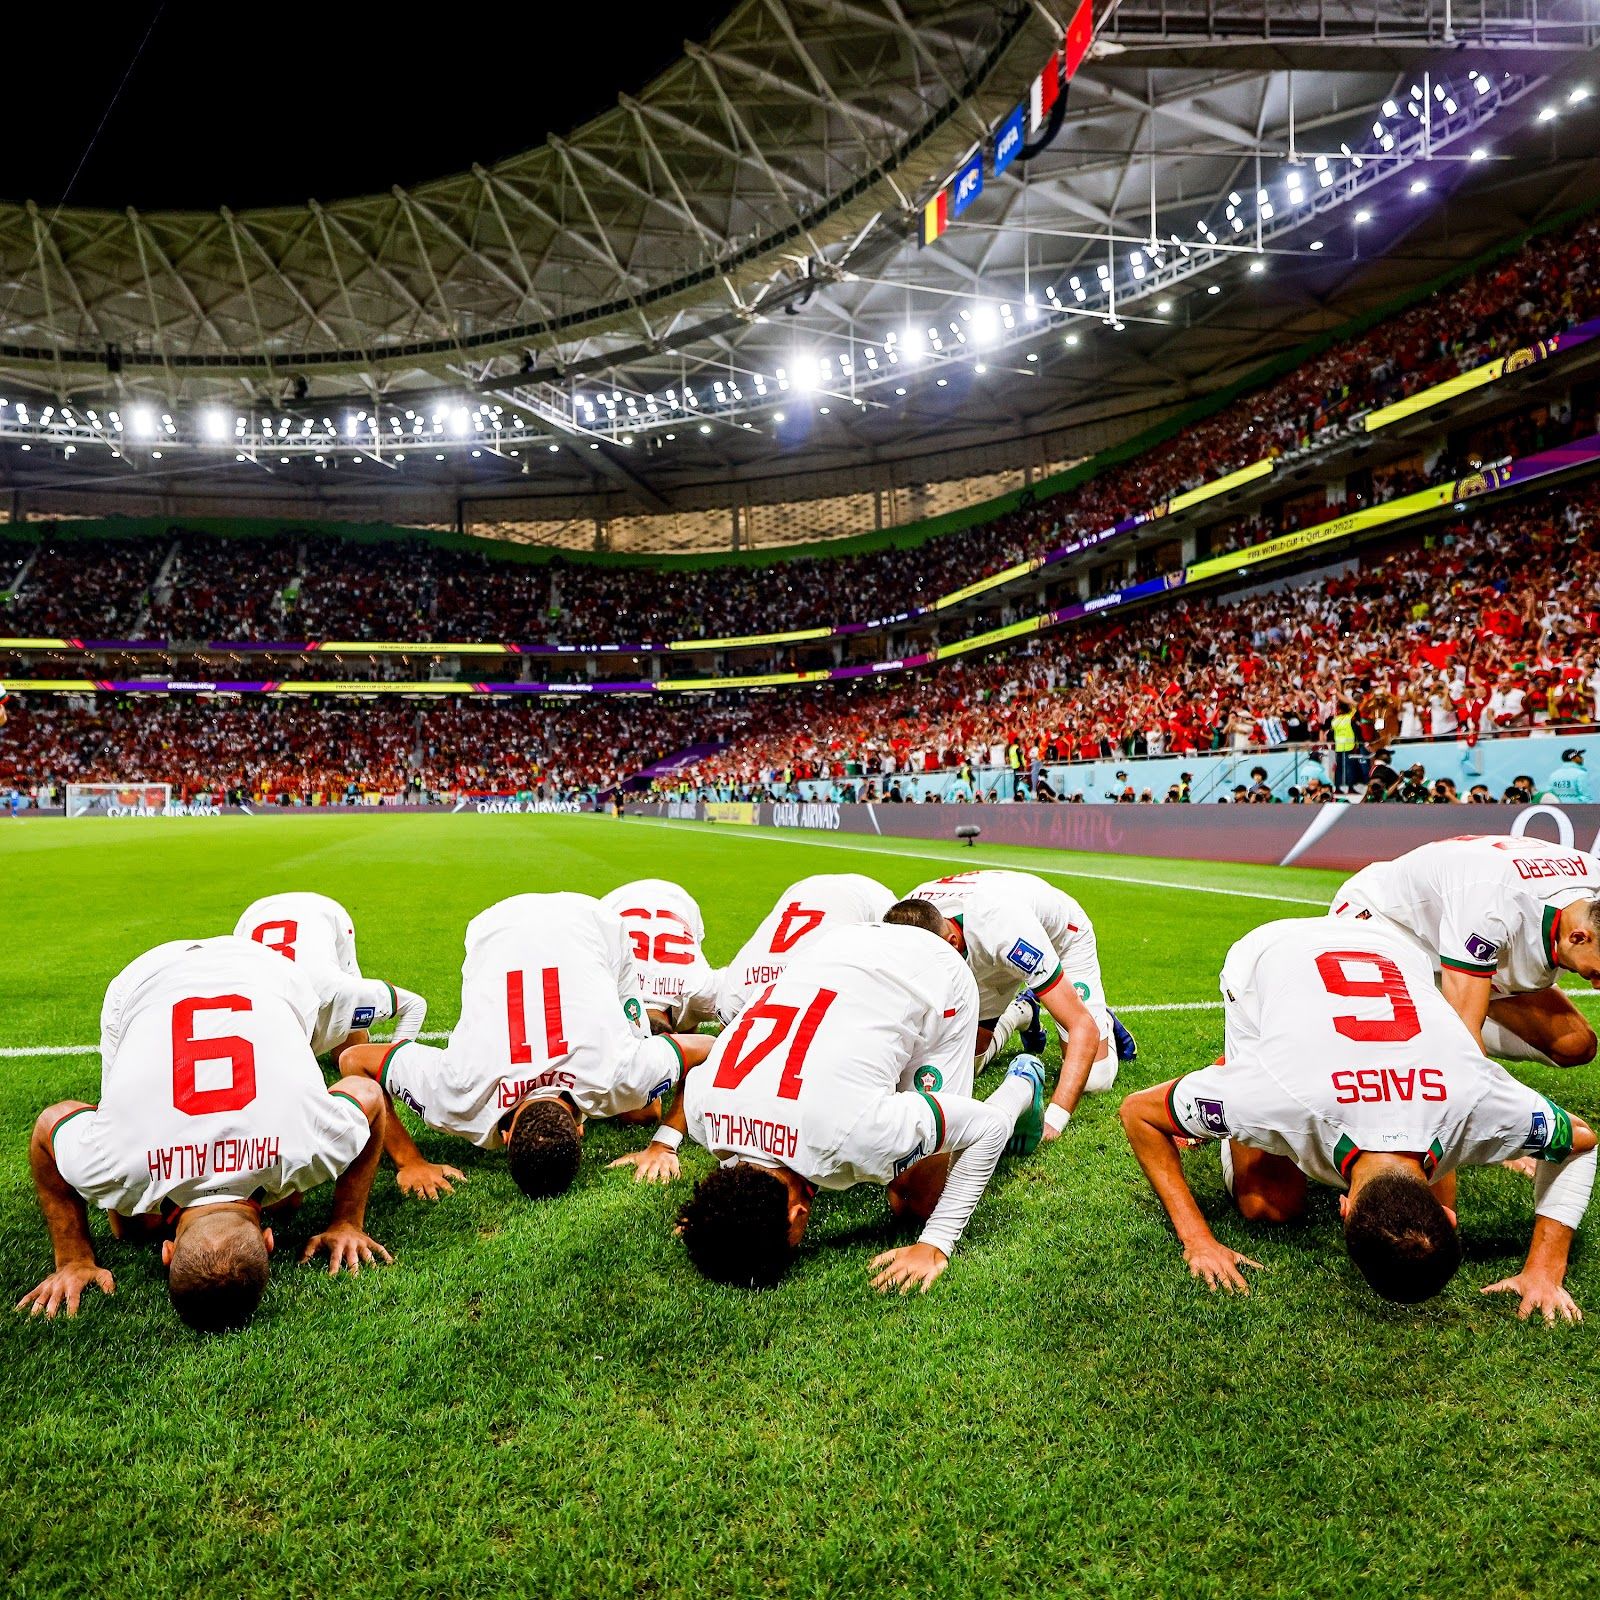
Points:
(118, 799)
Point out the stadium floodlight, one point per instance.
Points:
(1390, 109)
(141, 417)
(1163, 306)
(1316, 244)
(1257, 268)
(1363, 216)
(777, 416)
(460, 422)
(1578, 95)
(984, 327)
(1071, 339)
(805, 374)
(214, 424)
(1480, 154)
(554, 449)
(1419, 186)
(705, 427)
(1215, 288)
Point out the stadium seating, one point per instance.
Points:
(1484, 626)
(317, 587)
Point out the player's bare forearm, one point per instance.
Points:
(694, 1047)
(1548, 1250)
(1081, 1042)
(1469, 996)
(65, 1215)
(366, 1061)
(1144, 1120)
(354, 1184)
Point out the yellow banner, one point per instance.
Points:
(794, 637)
(980, 641)
(1355, 522)
(348, 686)
(752, 681)
(1021, 570)
(367, 647)
(1208, 491)
(1462, 383)
(742, 812)
(32, 644)
(50, 685)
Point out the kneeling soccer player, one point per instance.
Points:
(552, 1031)
(1343, 1063)
(665, 931)
(317, 934)
(1499, 919)
(212, 1111)
(853, 1067)
(806, 911)
(1030, 946)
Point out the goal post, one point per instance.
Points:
(118, 799)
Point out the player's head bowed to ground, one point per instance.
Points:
(213, 1118)
(1345, 1065)
(552, 1032)
(853, 1066)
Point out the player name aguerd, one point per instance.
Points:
(1551, 867)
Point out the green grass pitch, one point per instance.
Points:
(544, 1400)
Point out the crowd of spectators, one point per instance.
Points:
(321, 587)
(1487, 625)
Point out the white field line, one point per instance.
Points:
(956, 853)
(17, 1052)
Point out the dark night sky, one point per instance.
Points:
(263, 104)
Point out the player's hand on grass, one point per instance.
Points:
(1539, 1293)
(654, 1164)
(1523, 1164)
(429, 1179)
(347, 1246)
(908, 1266)
(64, 1288)
(1217, 1266)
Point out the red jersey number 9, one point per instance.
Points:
(1390, 985)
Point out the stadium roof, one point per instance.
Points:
(754, 210)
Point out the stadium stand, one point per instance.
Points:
(320, 587)
(1484, 626)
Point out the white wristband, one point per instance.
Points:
(670, 1137)
(1056, 1117)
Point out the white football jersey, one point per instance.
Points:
(1482, 905)
(665, 932)
(804, 912)
(1020, 932)
(550, 1004)
(1337, 1042)
(835, 1069)
(303, 926)
(209, 1091)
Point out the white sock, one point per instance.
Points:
(1013, 1097)
(1102, 1074)
(1499, 1040)
(1015, 1016)
(1225, 1150)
